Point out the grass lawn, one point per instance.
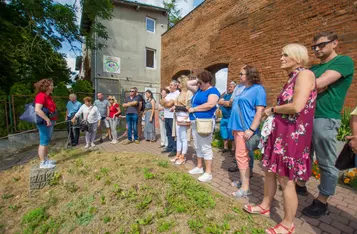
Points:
(95, 192)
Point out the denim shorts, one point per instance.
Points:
(45, 133)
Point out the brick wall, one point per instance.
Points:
(236, 32)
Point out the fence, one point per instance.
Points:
(12, 107)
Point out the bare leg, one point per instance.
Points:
(42, 152)
(225, 144)
(208, 164)
(199, 162)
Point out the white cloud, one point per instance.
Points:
(184, 5)
(221, 80)
(71, 61)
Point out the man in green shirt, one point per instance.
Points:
(334, 76)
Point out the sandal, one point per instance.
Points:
(181, 160)
(240, 193)
(174, 159)
(262, 211)
(236, 183)
(272, 230)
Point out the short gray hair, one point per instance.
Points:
(175, 82)
(73, 95)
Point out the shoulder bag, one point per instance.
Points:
(346, 159)
(204, 127)
(84, 125)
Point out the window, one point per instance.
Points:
(150, 58)
(150, 24)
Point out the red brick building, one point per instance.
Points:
(231, 33)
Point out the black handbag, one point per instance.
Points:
(84, 125)
(346, 159)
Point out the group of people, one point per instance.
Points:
(304, 121)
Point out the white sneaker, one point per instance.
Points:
(205, 177)
(113, 142)
(46, 165)
(92, 145)
(50, 161)
(196, 171)
(87, 146)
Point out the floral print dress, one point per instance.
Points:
(287, 149)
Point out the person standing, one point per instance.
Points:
(43, 99)
(247, 112)
(286, 149)
(114, 113)
(334, 76)
(353, 138)
(131, 111)
(204, 105)
(72, 108)
(163, 137)
(141, 108)
(103, 106)
(169, 102)
(149, 113)
(226, 109)
(92, 115)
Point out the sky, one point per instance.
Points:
(185, 5)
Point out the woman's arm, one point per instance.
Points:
(153, 108)
(192, 86)
(118, 109)
(211, 102)
(256, 122)
(305, 82)
(39, 112)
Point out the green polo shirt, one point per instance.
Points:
(329, 103)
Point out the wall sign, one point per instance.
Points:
(111, 64)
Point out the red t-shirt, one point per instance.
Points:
(113, 110)
(46, 101)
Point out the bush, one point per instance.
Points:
(82, 86)
(345, 129)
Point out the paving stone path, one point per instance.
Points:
(343, 206)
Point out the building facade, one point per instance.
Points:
(228, 34)
(132, 54)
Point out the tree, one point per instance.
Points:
(174, 12)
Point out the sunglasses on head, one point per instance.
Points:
(320, 45)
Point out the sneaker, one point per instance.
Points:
(114, 142)
(205, 177)
(46, 165)
(301, 190)
(92, 145)
(137, 142)
(50, 161)
(240, 193)
(172, 154)
(166, 151)
(316, 209)
(127, 142)
(87, 146)
(196, 171)
(101, 140)
(161, 146)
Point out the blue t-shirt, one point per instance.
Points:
(201, 97)
(73, 108)
(246, 101)
(226, 111)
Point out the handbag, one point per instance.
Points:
(253, 142)
(346, 159)
(84, 125)
(204, 127)
(31, 116)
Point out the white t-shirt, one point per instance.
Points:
(93, 116)
(171, 96)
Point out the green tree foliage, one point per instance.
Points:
(174, 12)
(82, 86)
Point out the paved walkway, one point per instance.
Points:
(343, 206)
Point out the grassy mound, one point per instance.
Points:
(96, 192)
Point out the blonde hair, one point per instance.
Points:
(298, 52)
(183, 81)
(114, 99)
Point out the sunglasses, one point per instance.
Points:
(242, 74)
(132, 91)
(110, 99)
(320, 45)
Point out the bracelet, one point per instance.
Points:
(272, 110)
(251, 129)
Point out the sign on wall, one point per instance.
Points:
(111, 64)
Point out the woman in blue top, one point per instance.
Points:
(204, 105)
(247, 112)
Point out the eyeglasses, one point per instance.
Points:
(242, 74)
(320, 45)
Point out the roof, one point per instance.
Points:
(86, 22)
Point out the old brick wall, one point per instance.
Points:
(236, 32)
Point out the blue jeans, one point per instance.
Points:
(45, 133)
(132, 121)
(251, 159)
(172, 143)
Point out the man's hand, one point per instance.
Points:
(353, 143)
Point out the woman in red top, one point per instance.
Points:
(43, 99)
(114, 112)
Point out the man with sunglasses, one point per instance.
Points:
(131, 111)
(334, 76)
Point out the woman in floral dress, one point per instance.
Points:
(286, 150)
